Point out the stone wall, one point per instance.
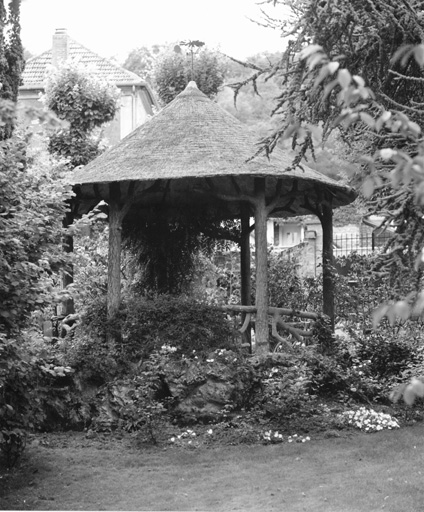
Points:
(307, 258)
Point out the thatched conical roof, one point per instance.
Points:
(194, 152)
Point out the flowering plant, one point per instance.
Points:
(271, 437)
(369, 420)
(167, 349)
(185, 437)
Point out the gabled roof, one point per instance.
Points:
(37, 68)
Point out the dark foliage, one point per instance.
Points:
(165, 247)
(34, 394)
(387, 355)
(73, 145)
(32, 203)
(11, 58)
(146, 325)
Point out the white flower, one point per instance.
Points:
(210, 432)
(369, 420)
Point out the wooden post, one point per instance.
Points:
(326, 218)
(117, 212)
(68, 307)
(245, 273)
(114, 260)
(261, 251)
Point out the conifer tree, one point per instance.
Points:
(11, 58)
(373, 40)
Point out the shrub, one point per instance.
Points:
(388, 353)
(340, 375)
(146, 325)
(32, 206)
(139, 405)
(33, 395)
(282, 385)
(95, 361)
(287, 289)
(178, 321)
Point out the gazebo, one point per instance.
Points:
(194, 154)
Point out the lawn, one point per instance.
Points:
(357, 472)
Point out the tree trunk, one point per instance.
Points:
(327, 260)
(245, 274)
(261, 251)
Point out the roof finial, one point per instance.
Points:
(194, 47)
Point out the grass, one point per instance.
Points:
(361, 472)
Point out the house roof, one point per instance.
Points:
(37, 68)
(200, 152)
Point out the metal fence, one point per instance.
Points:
(363, 244)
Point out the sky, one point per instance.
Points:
(112, 28)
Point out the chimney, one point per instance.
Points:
(60, 46)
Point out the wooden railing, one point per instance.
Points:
(277, 318)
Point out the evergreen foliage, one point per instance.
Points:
(11, 58)
(372, 44)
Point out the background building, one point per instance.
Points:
(137, 100)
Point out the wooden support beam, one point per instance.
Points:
(271, 310)
(246, 323)
(281, 341)
(289, 328)
(261, 297)
(68, 307)
(324, 211)
(117, 212)
(326, 219)
(114, 253)
(245, 274)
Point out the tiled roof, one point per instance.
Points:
(37, 68)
